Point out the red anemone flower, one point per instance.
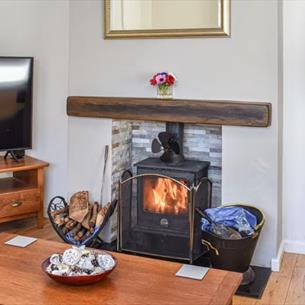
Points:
(153, 81)
(170, 79)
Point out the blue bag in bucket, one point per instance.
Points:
(232, 216)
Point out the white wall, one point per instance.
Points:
(40, 29)
(294, 124)
(87, 140)
(243, 67)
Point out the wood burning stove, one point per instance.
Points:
(157, 208)
(157, 205)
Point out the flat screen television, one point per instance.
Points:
(16, 91)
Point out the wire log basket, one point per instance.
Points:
(58, 203)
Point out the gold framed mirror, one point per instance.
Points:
(166, 18)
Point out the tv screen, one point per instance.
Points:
(16, 79)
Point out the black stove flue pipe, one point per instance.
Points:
(177, 129)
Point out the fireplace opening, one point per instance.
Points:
(165, 196)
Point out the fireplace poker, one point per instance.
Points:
(106, 153)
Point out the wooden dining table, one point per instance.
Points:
(136, 281)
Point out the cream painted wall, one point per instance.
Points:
(40, 29)
(243, 67)
(294, 125)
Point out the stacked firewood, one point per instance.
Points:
(81, 218)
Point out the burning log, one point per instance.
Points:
(165, 196)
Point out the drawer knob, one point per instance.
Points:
(16, 204)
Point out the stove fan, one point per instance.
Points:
(167, 143)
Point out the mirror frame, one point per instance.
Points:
(223, 30)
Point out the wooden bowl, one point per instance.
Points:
(77, 280)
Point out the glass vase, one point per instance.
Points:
(165, 92)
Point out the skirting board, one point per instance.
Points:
(294, 246)
(276, 262)
(290, 246)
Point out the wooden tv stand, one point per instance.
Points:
(22, 189)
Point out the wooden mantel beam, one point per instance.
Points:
(174, 110)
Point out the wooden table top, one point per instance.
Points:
(135, 281)
(24, 164)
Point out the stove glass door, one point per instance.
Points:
(165, 196)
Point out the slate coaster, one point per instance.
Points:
(192, 272)
(20, 241)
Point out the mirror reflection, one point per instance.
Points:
(164, 14)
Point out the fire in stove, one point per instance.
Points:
(165, 196)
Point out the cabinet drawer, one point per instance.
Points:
(19, 203)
